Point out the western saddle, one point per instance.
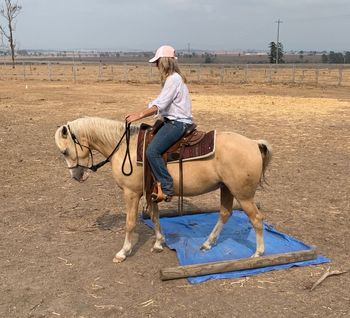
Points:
(193, 145)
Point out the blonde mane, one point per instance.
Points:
(104, 130)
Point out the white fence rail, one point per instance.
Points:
(313, 74)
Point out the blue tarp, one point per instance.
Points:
(186, 234)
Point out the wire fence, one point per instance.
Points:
(313, 74)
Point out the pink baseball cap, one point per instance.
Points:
(163, 51)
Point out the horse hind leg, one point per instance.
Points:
(158, 245)
(226, 203)
(256, 220)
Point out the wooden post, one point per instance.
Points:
(150, 73)
(270, 73)
(222, 74)
(246, 73)
(199, 73)
(24, 70)
(302, 77)
(293, 74)
(234, 265)
(340, 78)
(126, 70)
(99, 71)
(317, 73)
(49, 69)
(112, 71)
(74, 72)
(172, 212)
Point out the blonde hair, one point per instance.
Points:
(167, 66)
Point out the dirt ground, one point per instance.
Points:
(58, 237)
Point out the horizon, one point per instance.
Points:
(183, 51)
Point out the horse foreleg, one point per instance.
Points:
(256, 220)
(226, 203)
(131, 204)
(158, 245)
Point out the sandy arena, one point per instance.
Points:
(58, 237)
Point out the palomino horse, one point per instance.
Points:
(237, 168)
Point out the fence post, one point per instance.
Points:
(222, 74)
(246, 73)
(317, 73)
(340, 78)
(126, 70)
(270, 73)
(302, 77)
(99, 71)
(49, 69)
(199, 73)
(24, 70)
(74, 72)
(293, 74)
(150, 73)
(112, 71)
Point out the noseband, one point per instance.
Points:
(77, 142)
(95, 167)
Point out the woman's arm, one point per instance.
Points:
(142, 114)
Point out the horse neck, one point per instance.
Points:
(103, 135)
(105, 145)
(104, 149)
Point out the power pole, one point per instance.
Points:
(278, 38)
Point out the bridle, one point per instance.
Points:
(95, 167)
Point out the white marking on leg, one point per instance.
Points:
(260, 245)
(158, 245)
(213, 235)
(129, 242)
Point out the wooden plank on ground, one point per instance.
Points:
(235, 265)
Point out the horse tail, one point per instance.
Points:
(266, 154)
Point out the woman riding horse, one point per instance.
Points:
(237, 166)
(174, 105)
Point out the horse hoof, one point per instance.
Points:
(119, 258)
(157, 249)
(257, 254)
(205, 247)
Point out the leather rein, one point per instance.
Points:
(95, 167)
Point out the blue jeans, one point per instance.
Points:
(167, 135)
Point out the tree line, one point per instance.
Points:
(336, 58)
(276, 55)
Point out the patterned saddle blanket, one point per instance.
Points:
(193, 145)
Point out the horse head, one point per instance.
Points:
(76, 152)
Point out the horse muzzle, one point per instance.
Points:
(79, 174)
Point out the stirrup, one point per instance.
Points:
(158, 195)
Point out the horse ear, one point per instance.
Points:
(64, 132)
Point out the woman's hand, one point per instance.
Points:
(133, 117)
(130, 118)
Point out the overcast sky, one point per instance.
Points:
(205, 24)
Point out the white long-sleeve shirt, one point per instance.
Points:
(174, 100)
